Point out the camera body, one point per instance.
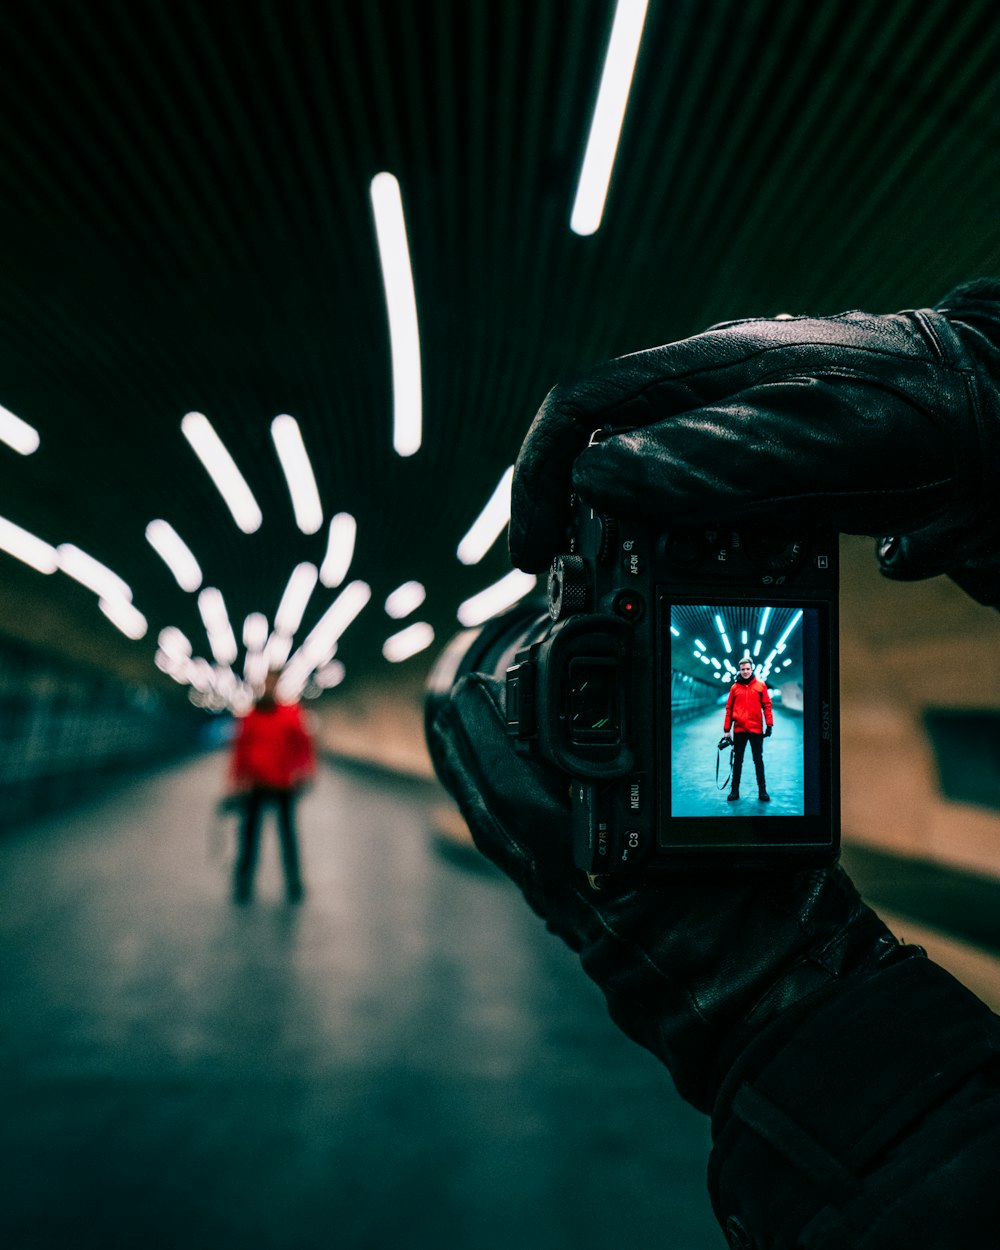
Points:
(636, 675)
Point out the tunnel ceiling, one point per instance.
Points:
(186, 226)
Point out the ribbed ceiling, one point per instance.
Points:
(186, 225)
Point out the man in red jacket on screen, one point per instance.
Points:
(749, 716)
(272, 759)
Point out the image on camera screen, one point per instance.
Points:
(735, 670)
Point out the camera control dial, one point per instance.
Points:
(567, 586)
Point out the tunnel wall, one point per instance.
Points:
(66, 732)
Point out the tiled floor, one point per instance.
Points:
(405, 1060)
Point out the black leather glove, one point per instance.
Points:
(881, 425)
(768, 730)
(841, 1069)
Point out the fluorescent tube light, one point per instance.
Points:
(330, 675)
(174, 553)
(27, 548)
(725, 643)
(404, 600)
(756, 647)
(255, 632)
(490, 523)
(278, 647)
(339, 550)
(415, 638)
(293, 603)
(788, 629)
(215, 618)
(221, 468)
(125, 617)
(675, 631)
(322, 640)
(765, 617)
(174, 643)
(298, 473)
(401, 305)
(17, 434)
(609, 114)
(91, 573)
(502, 594)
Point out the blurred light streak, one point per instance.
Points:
(401, 305)
(174, 643)
(330, 675)
(215, 618)
(298, 473)
(255, 632)
(502, 594)
(91, 573)
(27, 548)
(221, 468)
(293, 603)
(609, 116)
(408, 642)
(17, 434)
(490, 523)
(175, 554)
(404, 600)
(124, 617)
(339, 550)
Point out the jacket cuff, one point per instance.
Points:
(803, 1121)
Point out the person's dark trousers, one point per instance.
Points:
(756, 742)
(246, 862)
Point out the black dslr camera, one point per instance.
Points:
(628, 680)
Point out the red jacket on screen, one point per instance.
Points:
(272, 750)
(748, 706)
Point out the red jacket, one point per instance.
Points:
(748, 707)
(272, 750)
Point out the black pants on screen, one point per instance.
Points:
(756, 742)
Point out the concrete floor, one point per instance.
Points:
(405, 1060)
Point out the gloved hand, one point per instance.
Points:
(881, 425)
(767, 731)
(689, 962)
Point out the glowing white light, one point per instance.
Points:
(255, 632)
(770, 660)
(174, 643)
(18, 434)
(27, 548)
(490, 524)
(330, 675)
(609, 114)
(125, 617)
(415, 638)
(321, 641)
(502, 594)
(765, 617)
(339, 550)
(756, 647)
(278, 647)
(91, 573)
(788, 629)
(221, 468)
(717, 676)
(729, 667)
(298, 473)
(704, 659)
(786, 663)
(404, 600)
(676, 632)
(725, 643)
(293, 603)
(698, 643)
(215, 618)
(719, 624)
(401, 304)
(174, 553)
(744, 638)
(255, 668)
(715, 663)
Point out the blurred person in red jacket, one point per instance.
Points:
(749, 716)
(272, 760)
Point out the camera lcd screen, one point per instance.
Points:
(749, 729)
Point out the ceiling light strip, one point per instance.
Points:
(401, 305)
(609, 115)
(92, 573)
(408, 642)
(502, 594)
(175, 554)
(490, 523)
(215, 618)
(17, 434)
(339, 550)
(221, 468)
(293, 603)
(27, 548)
(298, 473)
